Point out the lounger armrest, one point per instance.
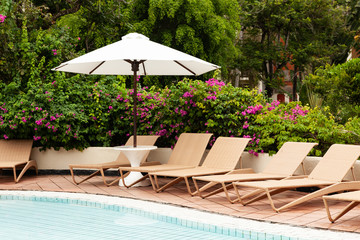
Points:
(343, 186)
(150, 163)
(296, 177)
(242, 170)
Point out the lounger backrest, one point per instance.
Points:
(225, 153)
(288, 158)
(336, 162)
(15, 150)
(189, 149)
(142, 140)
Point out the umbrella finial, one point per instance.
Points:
(134, 36)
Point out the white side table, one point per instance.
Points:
(135, 155)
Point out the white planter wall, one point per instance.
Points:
(60, 160)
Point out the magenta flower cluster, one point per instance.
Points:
(214, 82)
(2, 18)
(295, 112)
(252, 110)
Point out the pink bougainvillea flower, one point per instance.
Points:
(5, 136)
(36, 138)
(2, 18)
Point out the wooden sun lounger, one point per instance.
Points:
(15, 154)
(328, 175)
(352, 197)
(120, 161)
(222, 157)
(187, 153)
(284, 164)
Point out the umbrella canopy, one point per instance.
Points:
(136, 55)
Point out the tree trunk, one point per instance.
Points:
(294, 82)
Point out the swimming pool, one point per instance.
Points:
(46, 218)
(51, 215)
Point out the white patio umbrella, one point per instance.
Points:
(136, 55)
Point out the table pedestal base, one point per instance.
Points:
(133, 177)
(135, 155)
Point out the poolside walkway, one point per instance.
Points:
(311, 214)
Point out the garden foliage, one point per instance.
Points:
(339, 86)
(78, 112)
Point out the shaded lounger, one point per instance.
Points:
(352, 197)
(222, 157)
(328, 175)
(187, 153)
(282, 165)
(15, 154)
(120, 161)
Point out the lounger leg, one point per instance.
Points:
(112, 182)
(29, 164)
(154, 183)
(14, 171)
(83, 180)
(169, 184)
(267, 193)
(139, 180)
(225, 189)
(260, 195)
(206, 186)
(122, 176)
(330, 189)
(237, 194)
(342, 213)
(197, 188)
(188, 186)
(271, 200)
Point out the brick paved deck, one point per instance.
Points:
(310, 214)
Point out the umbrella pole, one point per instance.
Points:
(135, 68)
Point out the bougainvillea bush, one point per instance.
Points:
(77, 111)
(293, 122)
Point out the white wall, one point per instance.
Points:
(60, 160)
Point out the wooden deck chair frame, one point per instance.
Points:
(222, 157)
(15, 154)
(187, 153)
(282, 165)
(120, 161)
(353, 197)
(328, 175)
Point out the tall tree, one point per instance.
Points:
(276, 32)
(204, 28)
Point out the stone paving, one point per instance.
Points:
(310, 214)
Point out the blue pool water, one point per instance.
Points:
(36, 218)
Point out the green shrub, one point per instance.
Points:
(82, 111)
(339, 86)
(77, 112)
(293, 122)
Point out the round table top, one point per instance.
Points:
(137, 148)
